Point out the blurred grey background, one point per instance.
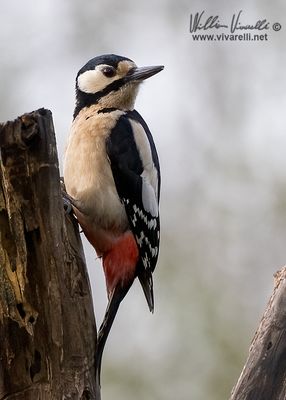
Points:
(217, 113)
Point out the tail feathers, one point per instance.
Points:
(115, 298)
(117, 295)
(146, 281)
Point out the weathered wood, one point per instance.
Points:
(47, 326)
(264, 374)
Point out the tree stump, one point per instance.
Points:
(264, 374)
(47, 325)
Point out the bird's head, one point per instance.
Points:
(110, 81)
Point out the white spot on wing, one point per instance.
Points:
(146, 262)
(140, 239)
(150, 223)
(149, 199)
(150, 173)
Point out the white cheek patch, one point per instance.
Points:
(94, 81)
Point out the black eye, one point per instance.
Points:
(109, 72)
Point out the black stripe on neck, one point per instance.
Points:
(87, 99)
(107, 110)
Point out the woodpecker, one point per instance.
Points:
(112, 179)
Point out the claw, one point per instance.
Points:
(67, 199)
(67, 205)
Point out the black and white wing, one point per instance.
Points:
(135, 167)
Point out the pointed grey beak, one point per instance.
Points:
(139, 74)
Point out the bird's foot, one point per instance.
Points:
(67, 206)
(68, 201)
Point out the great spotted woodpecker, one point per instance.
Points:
(112, 178)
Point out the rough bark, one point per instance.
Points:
(47, 325)
(264, 374)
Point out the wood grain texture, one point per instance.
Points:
(264, 374)
(47, 325)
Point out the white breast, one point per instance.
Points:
(87, 173)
